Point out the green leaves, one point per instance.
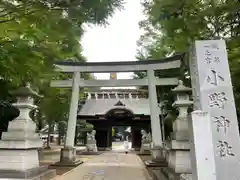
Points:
(170, 26)
(34, 34)
(181, 22)
(55, 104)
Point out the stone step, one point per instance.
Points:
(158, 175)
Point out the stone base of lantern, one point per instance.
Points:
(158, 159)
(19, 152)
(18, 159)
(22, 164)
(68, 158)
(38, 173)
(178, 160)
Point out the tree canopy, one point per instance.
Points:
(35, 33)
(171, 26)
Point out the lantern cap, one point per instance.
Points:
(181, 88)
(25, 91)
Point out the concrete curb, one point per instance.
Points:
(145, 171)
(60, 177)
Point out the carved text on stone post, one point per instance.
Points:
(224, 149)
(214, 78)
(222, 123)
(211, 54)
(217, 100)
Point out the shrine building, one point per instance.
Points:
(107, 108)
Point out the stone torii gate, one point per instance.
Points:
(150, 66)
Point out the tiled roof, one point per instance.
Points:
(94, 107)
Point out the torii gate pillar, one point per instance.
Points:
(156, 151)
(68, 152)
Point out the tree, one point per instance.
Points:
(171, 26)
(176, 24)
(7, 113)
(34, 34)
(54, 107)
(62, 125)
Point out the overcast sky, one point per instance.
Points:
(117, 41)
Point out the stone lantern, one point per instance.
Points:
(182, 103)
(179, 153)
(19, 145)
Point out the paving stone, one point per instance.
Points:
(110, 166)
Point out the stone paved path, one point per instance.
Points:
(109, 166)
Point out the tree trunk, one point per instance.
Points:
(76, 136)
(75, 141)
(61, 132)
(85, 138)
(39, 121)
(49, 136)
(59, 135)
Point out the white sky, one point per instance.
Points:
(117, 41)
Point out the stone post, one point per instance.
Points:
(19, 146)
(68, 153)
(179, 154)
(156, 151)
(213, 95)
